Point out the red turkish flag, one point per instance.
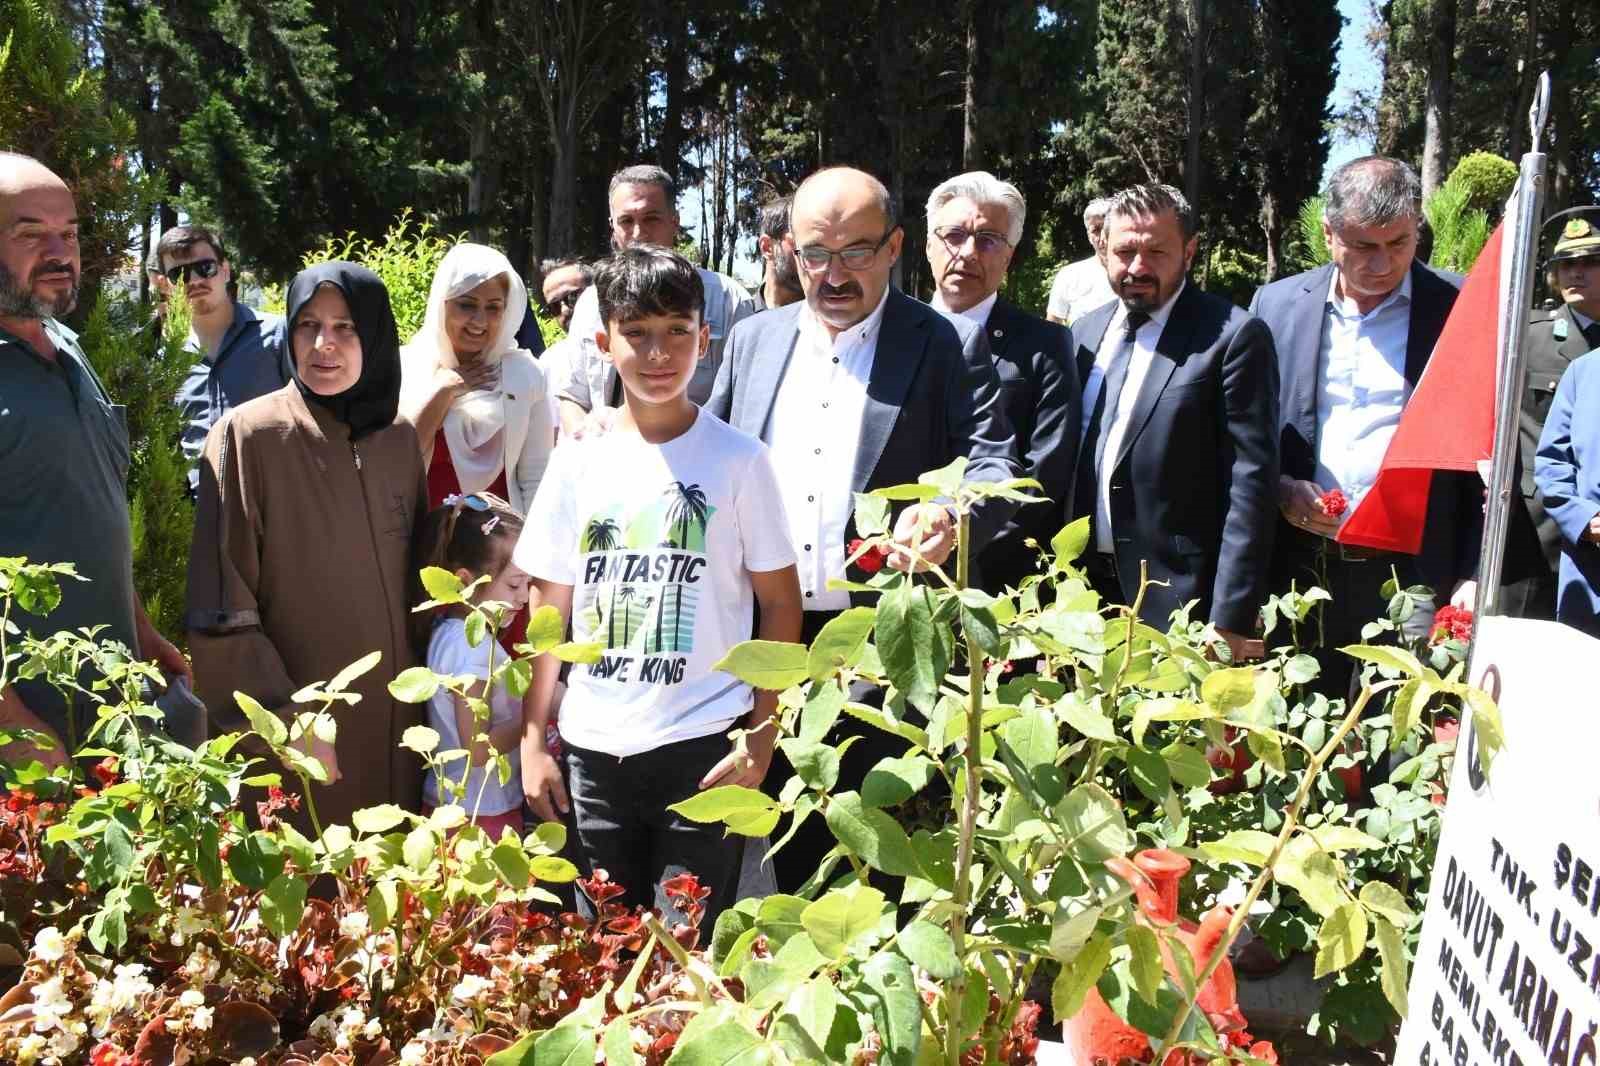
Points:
(1448, 424)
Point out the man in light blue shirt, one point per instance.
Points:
(1352, 339)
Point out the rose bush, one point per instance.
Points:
(1044, 734)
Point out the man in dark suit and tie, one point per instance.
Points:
(974, 223)
(1352, 339)
(1178, 463)
(855, 388)
(1555, 338)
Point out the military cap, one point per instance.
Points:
(1579, 239)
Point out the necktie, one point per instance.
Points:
(1591, 334)
(1105, 413)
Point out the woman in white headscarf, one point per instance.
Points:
(478, 402)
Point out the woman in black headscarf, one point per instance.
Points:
(308, 499)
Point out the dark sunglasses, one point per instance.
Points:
(569, 300)
(205, 268)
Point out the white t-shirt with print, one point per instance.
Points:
(657, 542)
(449, 653)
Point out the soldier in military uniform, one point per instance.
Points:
(1556, 336)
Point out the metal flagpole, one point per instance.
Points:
(1516, 266)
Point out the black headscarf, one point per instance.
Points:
(374, 400)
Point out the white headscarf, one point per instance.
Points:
(474, 426)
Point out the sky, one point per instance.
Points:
(1358, 70)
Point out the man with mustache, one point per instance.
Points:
(241, 353)
(644, 210)
(856, 388)
(63, 459)
(780, 283)
(974, 223)
(1178, 466)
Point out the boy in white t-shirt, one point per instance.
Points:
(656, 540)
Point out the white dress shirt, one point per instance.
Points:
(816, 430)
(1362, 365)
(978, 312)
(1144, 349)
(1079, 287)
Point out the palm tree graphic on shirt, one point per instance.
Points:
(601, 535)
(656, 616)
(686, 512)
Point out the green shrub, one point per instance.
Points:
(1308, 248)
(1459, 230)
(406, 259)
(1233, 273)
(1486, 180)
(1027, 283)
(142, 370)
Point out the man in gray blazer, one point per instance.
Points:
(855, 388)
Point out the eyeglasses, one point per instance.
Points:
(955, 238)
(816, 258)
(206, 268)
(569, 300)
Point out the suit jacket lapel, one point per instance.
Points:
(1305, 327)
(1575, 344)
(901, 346)
(1171, 347)
(1089, 331)
(764, 377)
(1429, 308)
(1002, 327)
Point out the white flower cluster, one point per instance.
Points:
(344, 1031)
(56, 1033)
(193, 1014)
(186, 922)
(127, 987)
(471, 990)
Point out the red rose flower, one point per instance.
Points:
(871, 561)
(1451, 623)
(105, 771)
(1333, 503)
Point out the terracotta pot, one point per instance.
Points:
(1096, 1036)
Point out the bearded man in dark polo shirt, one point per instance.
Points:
(63, 456)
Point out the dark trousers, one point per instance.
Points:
(1354, 578)
(619, 808)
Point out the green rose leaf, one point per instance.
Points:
(511, 864)
(1069, 544)
(1079, 975)
(726, 1043)
(256, 860)
(1092, 823)
(1249, 846)
(283, 904)
(1086, 718)
(1388, 658)
(821, 710)
(341, 681)
(897, 1011)
(773, 665)
(840, 642)
(379, 819)
(1488, 732)
(553, 869)
(872, 515)
(910, 647)
(545, 629)
(270, 726)
(871, 835)
(1341, 939)
(930, 947)
(814, 763)
(716, 804)
(1385, 902)
(1392, 962)
(415, 684)
(894, 780)
(840, 918)
(419, 738)
(441, 585)
(1145, 963)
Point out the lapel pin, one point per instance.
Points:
(999, 333)
(1558, 331)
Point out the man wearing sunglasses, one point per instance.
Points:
(974, 223)
(241, 352)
